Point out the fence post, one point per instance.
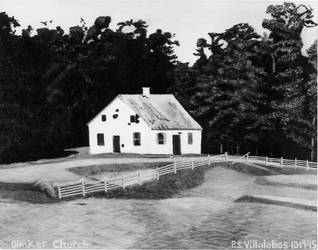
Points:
(157, 171)
(192, 165)
(281, 162)
(83, 187)
(266, 160)
(175, 166)
(59, 192)
(209, 160)
(139, 180)
(105, 185)
(247, 158)
(307, 165)
(122, 181)
(295, 162)
(225, 156)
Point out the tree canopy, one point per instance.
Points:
(52, 83)
(255, 93)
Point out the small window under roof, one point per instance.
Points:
(132, 118)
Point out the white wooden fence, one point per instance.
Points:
(82, 188)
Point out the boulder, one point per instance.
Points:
(46, 187)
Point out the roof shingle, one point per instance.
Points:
(162, 112)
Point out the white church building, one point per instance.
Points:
(144, 124)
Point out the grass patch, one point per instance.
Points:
(119, 167)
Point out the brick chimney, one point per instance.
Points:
(146, 92)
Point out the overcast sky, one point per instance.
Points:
(188, 19)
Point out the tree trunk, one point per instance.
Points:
(273, 63)
(221, 148)
(237, 149)
(312, 148)
(312, 153)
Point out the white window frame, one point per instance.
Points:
(164, 138)
(103, 139)
(137, 139)
(190, 138)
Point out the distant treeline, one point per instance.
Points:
(249, 92)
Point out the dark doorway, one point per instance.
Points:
(176, 144)
(116, 144)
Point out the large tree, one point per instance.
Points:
(25, 113)
(255, 92)
(289, 77)
(225, 94)
(311, 100)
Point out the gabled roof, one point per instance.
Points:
(162, 112)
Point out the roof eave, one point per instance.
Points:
(176, 129)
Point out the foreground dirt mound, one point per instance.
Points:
(281, 201)
(296, 181)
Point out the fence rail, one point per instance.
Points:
(82, 188)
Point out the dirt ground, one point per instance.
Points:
(56, 170)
